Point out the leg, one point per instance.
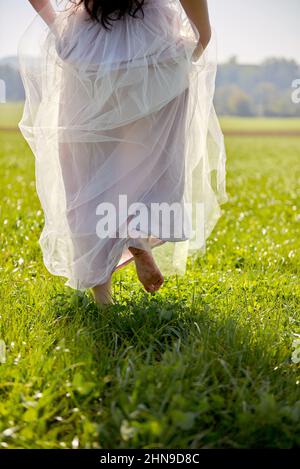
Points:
(147, 270)
(102, 293)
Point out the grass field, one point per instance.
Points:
(259, 123)
(10, 115)
(204, 363)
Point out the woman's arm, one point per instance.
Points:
(44, 9)
(197, 11)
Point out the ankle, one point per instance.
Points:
(137, 252)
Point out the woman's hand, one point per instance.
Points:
(198, 51)
(197, 11)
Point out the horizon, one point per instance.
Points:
(246, 64)
(234, 23)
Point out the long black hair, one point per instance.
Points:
(99, 10)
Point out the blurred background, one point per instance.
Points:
(212, 361)
(258, 53)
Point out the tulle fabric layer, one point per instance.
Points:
(122, 112)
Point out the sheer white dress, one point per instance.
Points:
(117, 118)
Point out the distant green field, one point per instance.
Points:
(10, 114)
(206, 362)
(257, 123)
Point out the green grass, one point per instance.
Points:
(204, 363)
(10, 114)
(259, 123)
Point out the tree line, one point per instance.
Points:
(257, 90)
(264, 89)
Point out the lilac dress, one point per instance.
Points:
(122, 122)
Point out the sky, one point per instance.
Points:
(251, 30)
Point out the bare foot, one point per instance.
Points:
(147, 270)
(102, 293)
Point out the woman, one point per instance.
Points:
(129, 152)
